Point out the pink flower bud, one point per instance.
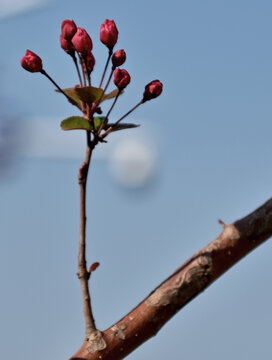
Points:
(90, 62)
(152, 90)
(109, 33)
(68, 29)
(118, 58)
(66, 45)
(31, 62)
(121, 78)
(82, 42)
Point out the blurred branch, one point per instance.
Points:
(188, 281)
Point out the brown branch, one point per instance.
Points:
(188, 281)
(83, 273)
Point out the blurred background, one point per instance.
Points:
(202, 152)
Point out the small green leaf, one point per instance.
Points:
(76, 123)
(72, 95)
(122, 126)
(89, 94)
(98, 121)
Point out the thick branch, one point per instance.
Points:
(188, 281)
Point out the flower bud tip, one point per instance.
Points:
(68, 29)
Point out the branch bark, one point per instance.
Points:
(83, 273)
(188, 281)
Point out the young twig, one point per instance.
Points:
(83, 273)
(103, 93)
(108, 114)
(129, 112)
(110, 129)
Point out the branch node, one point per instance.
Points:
(96, 341)
(82, 174)
(83, 274)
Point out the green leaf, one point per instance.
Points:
(76, 123)
(80, 123)
(122, 126)
(89, 94)
(98, 121)
(72, 95)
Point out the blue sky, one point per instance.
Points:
(209, 134)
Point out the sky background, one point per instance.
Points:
(204, 152)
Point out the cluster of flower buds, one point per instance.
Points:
(77, 43)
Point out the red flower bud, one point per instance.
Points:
(82, 42)
(94, 266)
(121, 78)
(118, 58)
(66, 45)
(89, 62)
(68, 29)
(109, 33)
(152, 90)
(31, 62)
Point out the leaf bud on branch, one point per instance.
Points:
(83, 171)
(94, 266)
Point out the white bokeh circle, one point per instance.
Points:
(133, 162)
